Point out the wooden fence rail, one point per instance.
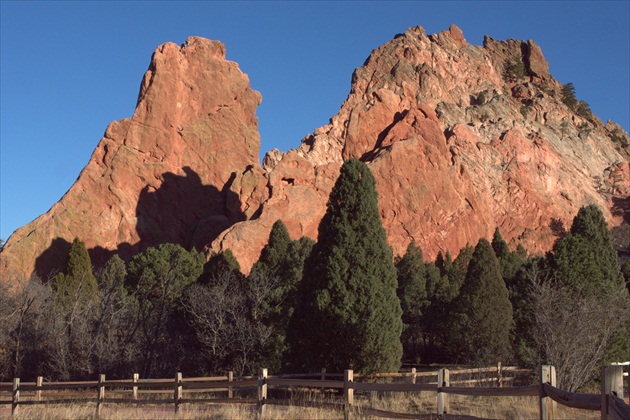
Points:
(610, 402)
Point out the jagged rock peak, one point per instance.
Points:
(460, 138)
(165, 175)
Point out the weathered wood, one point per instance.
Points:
(570, 399)
(15, 397)
(100, 397)
(413, 375)
(499, 381)
(520, 391)
(206, 379)
(58, 401)
(398, 387)
(262, 391)
(230, 391)
(348, 393)
(443, 399)
(134, 389)
(473, 370)
(60, 385)
(546, 404)
(38, 384)
(177, 391)
(611, 384)
(482, 380)
(306, 383)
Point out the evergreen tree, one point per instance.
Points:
(77, 283)
(158, 277)
(282, 259)
(482, 316)
(568, 96)
(273, 255)
(457, 273)
(219, 263)
(509, 262)
(499, 246)
(349, 316)
(413, 299)
(586, 258)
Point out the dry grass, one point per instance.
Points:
(485, 407)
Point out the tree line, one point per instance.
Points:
(341, 302)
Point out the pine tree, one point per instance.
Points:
(509, 262)
(274, 253)
(482, 317)
(349, 316)
(219, 263)
(282, 260)
(586, 258)
(412, 293)
(77, 283)
(158, 277)
(568, 96)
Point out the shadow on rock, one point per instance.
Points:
(182, 211)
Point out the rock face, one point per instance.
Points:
(165, 175)
(457, 143)
(458, 147)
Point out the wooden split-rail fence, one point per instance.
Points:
(610, 402)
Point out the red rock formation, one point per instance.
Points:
(168, 174)
(457, 149)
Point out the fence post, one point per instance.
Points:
(177, 391)
(134, 392)
(348, 391)
(38, 383)
(15, 396)
(262, 391)
(413, 375)
(443, 381)
(100, 389)
(323, 378)
(499, 375)
(612, 383)
(230, 377)
(547, 405)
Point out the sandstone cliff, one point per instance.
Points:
(163, 175)
(457, 146)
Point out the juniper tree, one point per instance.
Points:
(283, 260)
(482, 317)
(509, 261)
(584, 264)
(219, 263)
(412, 292)
(158, 277)
(77, 283)
(586, 258)
(349, 316)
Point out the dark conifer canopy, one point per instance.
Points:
(350, 316)
(482, 318)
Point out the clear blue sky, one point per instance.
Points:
(70, 68)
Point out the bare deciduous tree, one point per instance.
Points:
(574, 328)
(20, 305)
(225, 316)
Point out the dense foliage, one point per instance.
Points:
(340, 303)
(349, 315)
(482, 312)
